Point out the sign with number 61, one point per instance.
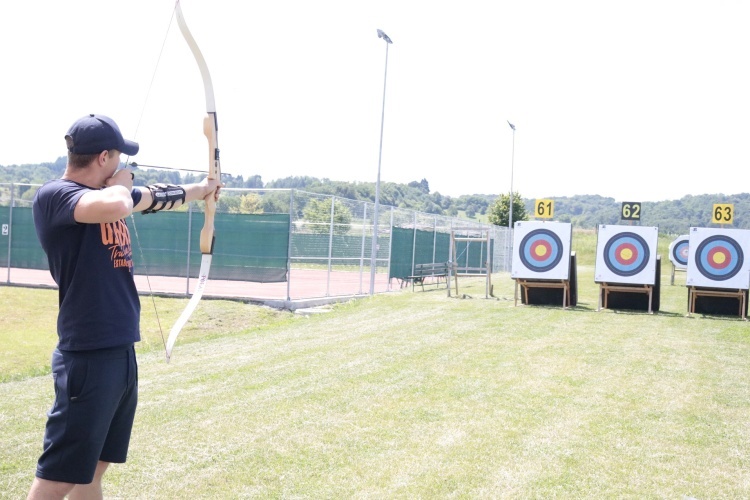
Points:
(544, 209)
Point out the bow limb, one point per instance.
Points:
(210, 129)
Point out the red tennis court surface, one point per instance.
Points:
(304, 285)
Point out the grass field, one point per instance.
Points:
(413, 395)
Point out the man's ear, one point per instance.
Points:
(103, 157)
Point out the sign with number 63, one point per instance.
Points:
(723, 213)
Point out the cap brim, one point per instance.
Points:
(130, 148)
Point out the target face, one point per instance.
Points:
(679, 251)
(541, 250)
(716, 258)
(719, 258)
(626, 254)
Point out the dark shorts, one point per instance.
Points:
(96, 393)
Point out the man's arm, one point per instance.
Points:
(109, 204)
(193, 192)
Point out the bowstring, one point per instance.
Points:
(132, 217)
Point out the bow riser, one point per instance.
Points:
(214, 172)
(210, 129)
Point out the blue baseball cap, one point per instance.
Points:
(93, 134)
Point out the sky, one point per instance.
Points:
(644, 100)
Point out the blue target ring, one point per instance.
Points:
(680, 253)
(719, 258)
(541, 250)
(626, 254)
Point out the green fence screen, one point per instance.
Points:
(25, 250)
(428, 247)
(249, 247)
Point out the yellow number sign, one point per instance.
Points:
(544, 209)
(723, 213)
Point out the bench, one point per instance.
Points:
(437, 271)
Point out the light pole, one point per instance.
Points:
(512, 158)
(374, 254)
(510, 200)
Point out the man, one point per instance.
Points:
(80, 222)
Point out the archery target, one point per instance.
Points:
(717, 259)
(679, 250)
(626, 254)
(541, 250)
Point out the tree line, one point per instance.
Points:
(582, 211)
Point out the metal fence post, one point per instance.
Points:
(330, 247)
(189, 248)
(362, 254)
(289, 250)
(414, 245)
(450, 260)
(10, 226)
(390, 251)
(434, 237)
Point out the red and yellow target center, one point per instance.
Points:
(541, 250)
(718, 258)
(626, 254)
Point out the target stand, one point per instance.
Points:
(634, 297)
(675, 270)
(679, 251)
(628, 268)
(543, 265)
(718, 274)
(549, 292)
(719, 301)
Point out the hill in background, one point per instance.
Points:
(583, 211)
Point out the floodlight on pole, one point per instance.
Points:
(512, 158)
(374, 253)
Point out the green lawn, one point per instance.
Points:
(413, 395)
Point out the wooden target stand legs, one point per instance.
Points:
(674, 270)
(527, 284)
(606, 288)
(694, 292)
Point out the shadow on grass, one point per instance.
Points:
(716, 317)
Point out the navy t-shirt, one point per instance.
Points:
(92, 265)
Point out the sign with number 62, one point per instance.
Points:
(630, 210)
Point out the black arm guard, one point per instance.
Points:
(162, 195)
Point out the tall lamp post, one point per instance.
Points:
(510, 200)
(512, 158)
(374, 254)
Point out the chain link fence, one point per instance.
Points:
(283, 244)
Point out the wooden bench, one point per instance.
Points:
(438, 271)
